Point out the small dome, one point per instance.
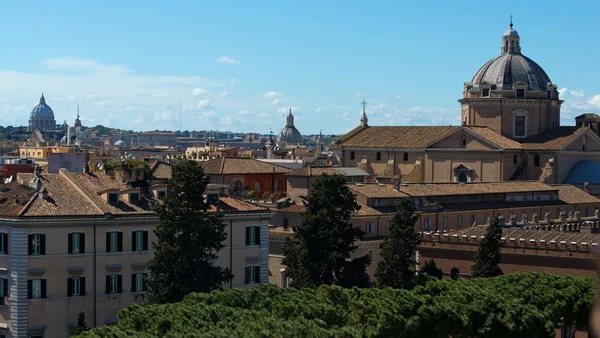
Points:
(511, 32)
(584, 171)
(289, 134)
(120, 143)
(42, 110)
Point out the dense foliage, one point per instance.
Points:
(80, 325)
(189, 237)
(487, 257)
(319, 250)
(101, 130)
(398, 263)
(431, 269)
(517, 305)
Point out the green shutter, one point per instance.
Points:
(145, 241)
(69, 284)
(133, 241)
(82, 242)
(42, 244)
(82, 286)
(247, 235)
(70, 241)
(44, 295)
(108, 242)
(257, 235)
(120, 241)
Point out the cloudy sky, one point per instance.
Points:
(240, 66)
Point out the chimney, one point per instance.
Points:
(542, 243)
(562, 245)
(586, 187)
(511, 241)
(573, 245)
(464, 238)
(534, 218)
(44, 193)
(570, 215)
(474, 239)
(501, 220)
(521, 242)
(596, 213)
(547, 217)
(584, 246)
(577, 217)
(524, 218)
(532, 243)
(455, 238)
(513, 220)
(552, 244)
(561, 216)
(68, 135)
(396, 182)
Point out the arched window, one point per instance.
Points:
(378, 155)
(462, 177)
(514, 159)
(512, 45)
(536, 161)
(584, 145)
(258, 186)
(463, 141)
(277, 186)
(405, 157)
(237, 185)
(455, 273)
(351, 155)
(506, 46)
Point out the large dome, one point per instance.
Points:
(42, 110)
(289, 135)
(511, 67)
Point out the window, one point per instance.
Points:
(258, 186)
(252, 235)
(428, 223)
(139, 240)
(520, 92)
(134, 197)
(463, 141)
(76, 243)
(462, 177)
(454, 273)
(587, 212)
(37, 244)
(351, 155)
(113, 284)
(514, 159)
(445, 221)
(162, 194)
(378, 156)
(36, 288)
(114, 241)
(459, 221)
(549, 94)
(277, 186)
(113, 198)
(369, 228)
(473, 219)
(138, 282)
(3, 290)
(536, 161)
(76, 286)
(405, 157)
(376, 202)
(520, 125)
(3, 243)
(486, 219)
(252, 275)
(286, 224)
(485, 92)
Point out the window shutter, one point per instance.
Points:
(5, 286)
(30, 246)
(120, 243)
(133, 248)
(69, 284)
(82, 286)
(5, 242)
(82, 242)
(133, 283)
(257, 236)
(145, 240)
(119, 281)
(42, 244)
(247, 274)
(108, 242)
(257, 274)
(70, 243)
(29, 288)
(247, 235)
(107, 284)
(44, 295)
(144, 281)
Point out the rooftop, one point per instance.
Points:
(240, 165)
(320, 170)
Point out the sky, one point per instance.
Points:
(241, 65)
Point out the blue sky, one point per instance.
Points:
(240, 65)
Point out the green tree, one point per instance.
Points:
(487, 257)
(431, 269)
(80, 326)
(189, 236)
(319, 250)
(397, 267)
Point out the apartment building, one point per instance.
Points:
(82, 241)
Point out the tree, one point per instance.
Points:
(189, 236)
(397, 267)
(319, 250)
(487, 257)
(431, 269)
(80, 326)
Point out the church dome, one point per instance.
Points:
(289, 134)
(584, 171)
(511, 67)
(42, 110)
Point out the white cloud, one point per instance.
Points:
(263, 115)
(229, 60)
(272, 95)
(209, 114)
(575, 104)
(318, 110)
(200, 92)
(69, 63)
(161, 95)
(359, 95)
(275, 102)
(287, 109)
(222, 94)
(102, 103)
(91, 96)
(244, 112)
(203, 104)
(595, 101)
(165, 115)
(399, 97)
(139, 120)
(346, 116)
(232, 120)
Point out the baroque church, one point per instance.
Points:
(510, 131)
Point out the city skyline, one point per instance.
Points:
(242, 70)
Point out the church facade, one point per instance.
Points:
(510, 131)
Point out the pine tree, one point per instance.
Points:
(487, 257)
(80, 326)
(189, 237)
(398, 264)
(431, 269)
(319, 250)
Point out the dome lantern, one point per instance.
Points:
(511, 41)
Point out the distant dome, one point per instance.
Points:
(289, 134)
(42, 110)
(584, 171)
(120, 143)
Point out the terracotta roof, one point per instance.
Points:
(397, 137)
(313, 171)
(546, 235)
(365, 210)
(495, 138)
(161, 170)
(373, 190)
(240, 165)
(8, 195)
(573, 195)
(447, 189)
(554, 139)
(230, 204)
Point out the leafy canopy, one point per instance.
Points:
(189, 236)
(320, 248)
(487, 257)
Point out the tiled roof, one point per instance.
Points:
(9, 193)
(365, 210)
(447, 189)
(320, 170)
(373, 190)
(240, 165)
(230, 204)
(397, 137)
(535, 234)
(573, 195)
(554, 139)
(495, 138)
(161, 170)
